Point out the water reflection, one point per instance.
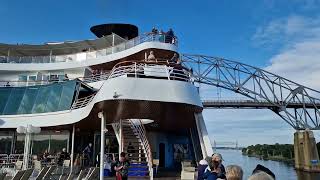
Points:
(282, 171)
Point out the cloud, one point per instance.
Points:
(299, 59)
(287, 31)
(301, 63)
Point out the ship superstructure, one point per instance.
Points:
(131, 87)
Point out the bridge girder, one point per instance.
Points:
(258, 84)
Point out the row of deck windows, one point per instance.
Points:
(37, 99)
(47, 140)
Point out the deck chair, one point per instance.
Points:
(81, 175)
(18, 175)
(65, 166)
(26, 174)
(63, 177)
(155, 164)
(18, 165)
(49, 172)
(70, 177)
(2, 176)
(37, 165)
(89, 172)
(94, 174)
(43, 172)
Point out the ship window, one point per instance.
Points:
(53, 77)
(37, 99)
(54, 98)
(61, 77)
(49, 140)
(57, 142)
(6, 142)
(32, 78)
(41, 101)
(19, 146)
(67, 95)
(40, 143)
(14, 101)
(4, 96)
(28, 100)
(23, 78)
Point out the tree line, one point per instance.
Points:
(276, 151)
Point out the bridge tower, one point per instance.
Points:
(305, 151)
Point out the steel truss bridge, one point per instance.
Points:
(296, 104)
(217, 144)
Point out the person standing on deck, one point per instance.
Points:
(122, 167)
(87, 152)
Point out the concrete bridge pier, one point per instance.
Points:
(305, 151)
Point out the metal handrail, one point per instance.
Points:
(150, 69)
(82, 102)
(138, 127)
(147, 37)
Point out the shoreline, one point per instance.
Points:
(271, 158)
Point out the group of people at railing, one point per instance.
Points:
(211, 168)
(166, 37)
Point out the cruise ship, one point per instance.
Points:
(123, 91)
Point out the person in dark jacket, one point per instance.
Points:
(203, 164)
(217, 160)
(64, 155)
(169, 36)
(212, 171)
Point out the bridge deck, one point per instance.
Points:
(250, 104)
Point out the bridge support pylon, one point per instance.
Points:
(305, 151)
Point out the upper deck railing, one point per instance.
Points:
(158, 69)
(82, 56)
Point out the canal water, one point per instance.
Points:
(282, 170)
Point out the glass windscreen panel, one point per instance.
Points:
(19, 146)
(58, 142)
(4, 96)
(40, 143)
(6, 142)
(14, 101)
(37, 99)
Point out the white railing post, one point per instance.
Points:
(135, 69)
(50, 56)
(72, 147)
(101, 115)
(120, 137)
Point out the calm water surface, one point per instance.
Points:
(280, 169)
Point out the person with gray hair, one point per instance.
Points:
(234, 172)
(260, 176)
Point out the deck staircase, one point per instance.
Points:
(135, 144)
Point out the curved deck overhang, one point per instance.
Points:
(88, 62)
(168, 92)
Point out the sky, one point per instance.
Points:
(282, 37)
